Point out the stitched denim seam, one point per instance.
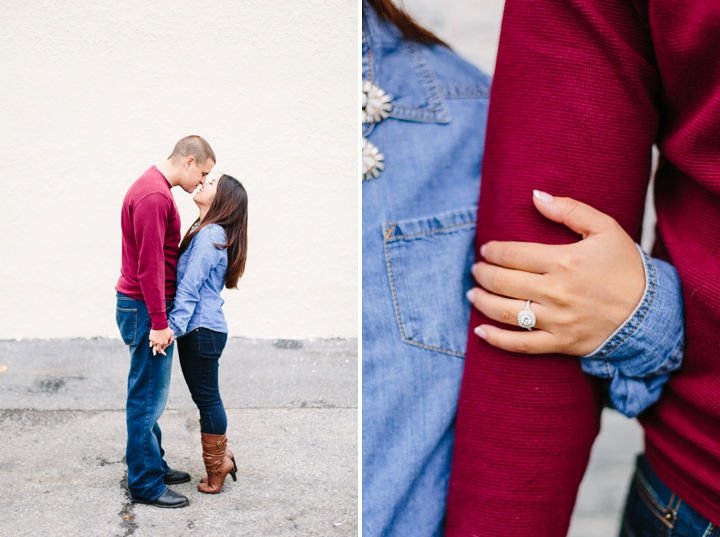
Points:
(644, 308)
(646, 492)
(397, 309)
(437, 112)
(429, 232)
(673, 361)
(709, 530)
(463, 92)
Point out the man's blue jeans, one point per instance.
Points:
(148, 387)
(652, 508)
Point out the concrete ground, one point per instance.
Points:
(293, 426)
(602, 493)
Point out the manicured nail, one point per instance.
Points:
(471, 295)
(480, 333)
(483, 249)
(543, 196)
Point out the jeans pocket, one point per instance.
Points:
(428, 262)
(218, 341)
(127, 321)
(647, 514)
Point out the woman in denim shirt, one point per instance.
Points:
(423, 134)
(212, 255)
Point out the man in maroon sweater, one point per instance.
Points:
(582, 90)
(150, 239)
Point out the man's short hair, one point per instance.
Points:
(193, 146)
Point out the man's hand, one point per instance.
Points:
(161, 339)
(581, 293)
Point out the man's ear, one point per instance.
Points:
(188, 160)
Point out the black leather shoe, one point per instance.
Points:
(175, 477)
(169, 500)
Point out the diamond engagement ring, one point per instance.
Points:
(526, 318)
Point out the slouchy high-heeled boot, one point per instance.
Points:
(217, 465)
(229, 455)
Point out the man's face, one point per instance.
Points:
(195, 174)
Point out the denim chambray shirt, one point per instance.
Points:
(418, 226)
(200, 276)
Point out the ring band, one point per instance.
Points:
(526, 318)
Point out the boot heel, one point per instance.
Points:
(233, 474)
(234, 466)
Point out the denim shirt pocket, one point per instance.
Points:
(428, 262)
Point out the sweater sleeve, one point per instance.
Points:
(571, 113)
(150, 218)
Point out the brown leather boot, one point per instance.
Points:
(228, 455)
(217, 465)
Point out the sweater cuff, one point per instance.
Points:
(158, 321)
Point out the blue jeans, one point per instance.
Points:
(148, 388)
(653, 510)
(200, 351)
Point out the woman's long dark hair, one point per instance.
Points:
(229, 210)
(404, 22)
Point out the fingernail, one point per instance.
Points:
(543, 196)
(480, 332)
(471, 295)
(483, 248)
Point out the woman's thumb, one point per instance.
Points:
(581, 218)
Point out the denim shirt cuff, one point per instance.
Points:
(638, 357)
(176, 330)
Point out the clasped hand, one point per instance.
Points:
(161, 340)
(581, 293)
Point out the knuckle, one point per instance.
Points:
(571, 205)
(507, 256)
(498, 281)
(566, 261)
(522, 345)
(508, 315)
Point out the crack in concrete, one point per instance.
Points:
(126, 513)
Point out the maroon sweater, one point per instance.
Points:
(582, 90)
(150, 239)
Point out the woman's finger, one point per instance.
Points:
(533, 342)
(527, 256)
(580, 217)
(510, 283)
(505, 310)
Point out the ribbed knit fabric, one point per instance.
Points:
(582, 89)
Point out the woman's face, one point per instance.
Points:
(206, 194)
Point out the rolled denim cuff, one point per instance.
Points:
(638, 357)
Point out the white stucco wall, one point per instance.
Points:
(93, 93)
(470, 27)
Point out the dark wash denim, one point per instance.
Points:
(200, 352)
(148, 388)
(653, 510)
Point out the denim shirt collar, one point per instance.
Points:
(391, 63)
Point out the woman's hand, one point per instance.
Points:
(161, 340)
(581, 293)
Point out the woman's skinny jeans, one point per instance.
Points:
(199, 352)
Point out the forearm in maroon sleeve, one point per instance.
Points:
(571, 113)
(150, 221)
